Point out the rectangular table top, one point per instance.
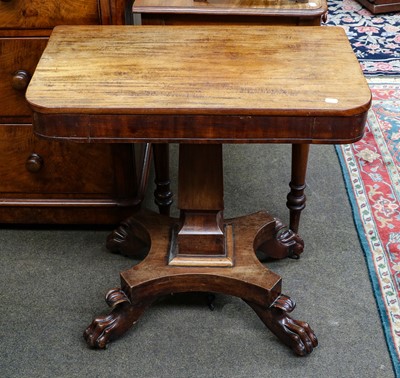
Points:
(233, 7)
(197, 70)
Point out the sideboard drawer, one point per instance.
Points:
(29, 164)
(18, 60)
(50, 182)
(24, 14)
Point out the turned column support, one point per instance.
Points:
(296, 199)
(162, 194)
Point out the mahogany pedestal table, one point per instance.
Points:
(201, 87)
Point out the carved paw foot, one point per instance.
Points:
(296, 334)
(129, 239)
(284, 243)
(109, 327)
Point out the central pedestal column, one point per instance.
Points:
(201, 238)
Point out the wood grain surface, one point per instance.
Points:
(239, 7)
(46, 14)
(251, 70)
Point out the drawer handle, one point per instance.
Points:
(21, 80)
(34, 163)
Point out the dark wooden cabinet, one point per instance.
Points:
(381, 6)
(54, 182)
(22, 14)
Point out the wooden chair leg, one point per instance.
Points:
(296, 199)
(162, 194)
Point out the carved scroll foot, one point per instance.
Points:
(110, 327)
(296, 334)
(129, 239)
(284, 243)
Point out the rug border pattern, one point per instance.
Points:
(374, 250)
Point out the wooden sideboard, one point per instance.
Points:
(54, 182)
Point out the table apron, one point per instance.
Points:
(159, 128)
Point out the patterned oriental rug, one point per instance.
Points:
(375, 38)
(371, 168)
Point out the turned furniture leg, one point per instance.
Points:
(162, 193)
(286, 242)
(296, 200)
